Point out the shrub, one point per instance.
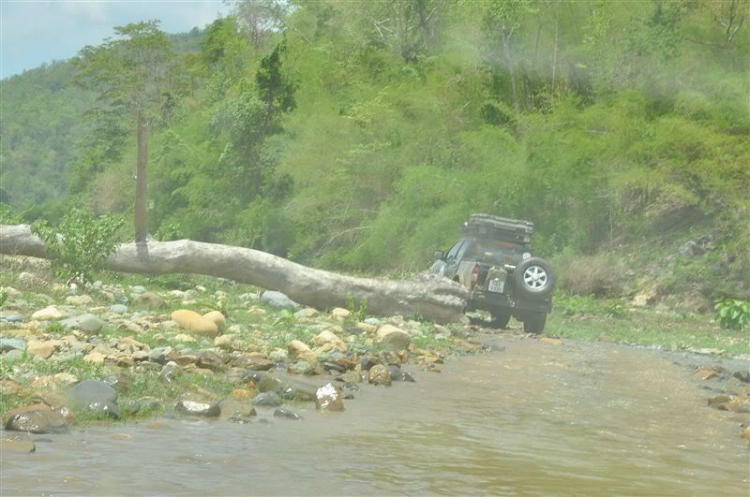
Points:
(733, 314)
(599, 275)
(81, 243)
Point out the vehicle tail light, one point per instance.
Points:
(475, 276)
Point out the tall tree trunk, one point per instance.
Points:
(506, 48)
(554, 56)
(430, 295)
(141, 230)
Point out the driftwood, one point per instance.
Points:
(431, 296)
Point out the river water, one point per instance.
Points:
(532, 419)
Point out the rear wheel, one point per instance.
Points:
(535, 323)
(500, 321)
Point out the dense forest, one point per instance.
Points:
(360, 135)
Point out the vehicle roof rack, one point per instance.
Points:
(502, 228)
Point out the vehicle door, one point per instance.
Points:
(453, 259)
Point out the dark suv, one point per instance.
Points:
(493, 261)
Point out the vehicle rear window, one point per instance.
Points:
(495, 251)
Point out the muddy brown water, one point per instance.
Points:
(533, 419)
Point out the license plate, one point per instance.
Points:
(496, 286)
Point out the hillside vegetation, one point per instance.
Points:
(360, 135)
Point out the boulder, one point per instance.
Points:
(329, 398)
(201, 409)
(47, 314)
(194, 322)
(297, 349)
(87, 323)
(329, 338)
(95, 396)
(267, 399)
(43, 350)
(38, 418)
(217, 318)
(8, 344)
(95, 357)
(397, 338)
(379, 375)
(278, 300)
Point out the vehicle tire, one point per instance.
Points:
(500, 321)
(534, 279)
(535, 323)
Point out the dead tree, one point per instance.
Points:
(430, 296)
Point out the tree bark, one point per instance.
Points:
(428, 295)
(141, 229)
(506, 48)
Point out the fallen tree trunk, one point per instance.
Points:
(431, 296)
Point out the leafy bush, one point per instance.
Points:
(3, 297)
(81, 243)
(733, 314)
(599, 275)
(572, 305)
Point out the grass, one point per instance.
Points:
(644, 327)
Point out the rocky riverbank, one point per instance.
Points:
(123, 351)
(181, 346)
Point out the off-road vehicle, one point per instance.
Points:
(493, 261)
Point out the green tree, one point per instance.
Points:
(131, 75)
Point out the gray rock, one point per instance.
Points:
(286, 414)
(373, 321)
(8, 344)
(137, 289)
(13, 356)
(278, 300)
(108, 409)
(267, 399)
(87, 323)
(94, 395)
(13, 318)
(202, 409)
(118, 308)
(397, 374)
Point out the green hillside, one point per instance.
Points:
(359, 136)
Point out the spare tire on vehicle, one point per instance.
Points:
(534, 278)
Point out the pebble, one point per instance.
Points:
(278, 300)
(87, 323)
